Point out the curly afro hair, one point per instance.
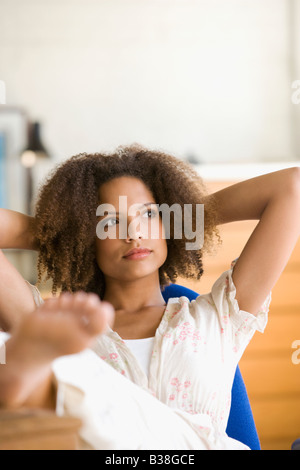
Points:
(65, 215)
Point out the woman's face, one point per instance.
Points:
(138, 225)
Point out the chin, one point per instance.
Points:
(137, 273)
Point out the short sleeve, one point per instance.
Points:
(36, 294)
(237, 326)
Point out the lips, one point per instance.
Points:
(137, 251)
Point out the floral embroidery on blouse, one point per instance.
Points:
(181, 391)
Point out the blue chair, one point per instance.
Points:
(296, 445)
(240, 424)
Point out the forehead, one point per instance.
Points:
(135, 190)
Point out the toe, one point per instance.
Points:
(76, 301)
(96, 315)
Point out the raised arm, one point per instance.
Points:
(16, 231)
(274, 200)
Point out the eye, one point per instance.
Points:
(107, 221)
(152, 212)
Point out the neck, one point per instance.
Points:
(132, 296)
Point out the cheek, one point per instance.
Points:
(156, 230)
(164, 251)
(160, 246)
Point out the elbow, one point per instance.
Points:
(292, 181)
(295, 175)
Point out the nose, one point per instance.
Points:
(138, 236)
(133, 233)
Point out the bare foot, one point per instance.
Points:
(64, 325)
(61, 326)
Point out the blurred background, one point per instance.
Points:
(214, 82)
(210, 81)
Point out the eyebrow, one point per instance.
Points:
(141, 205)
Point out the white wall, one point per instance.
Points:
(208, 77)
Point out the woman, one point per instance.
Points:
(195, 345)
